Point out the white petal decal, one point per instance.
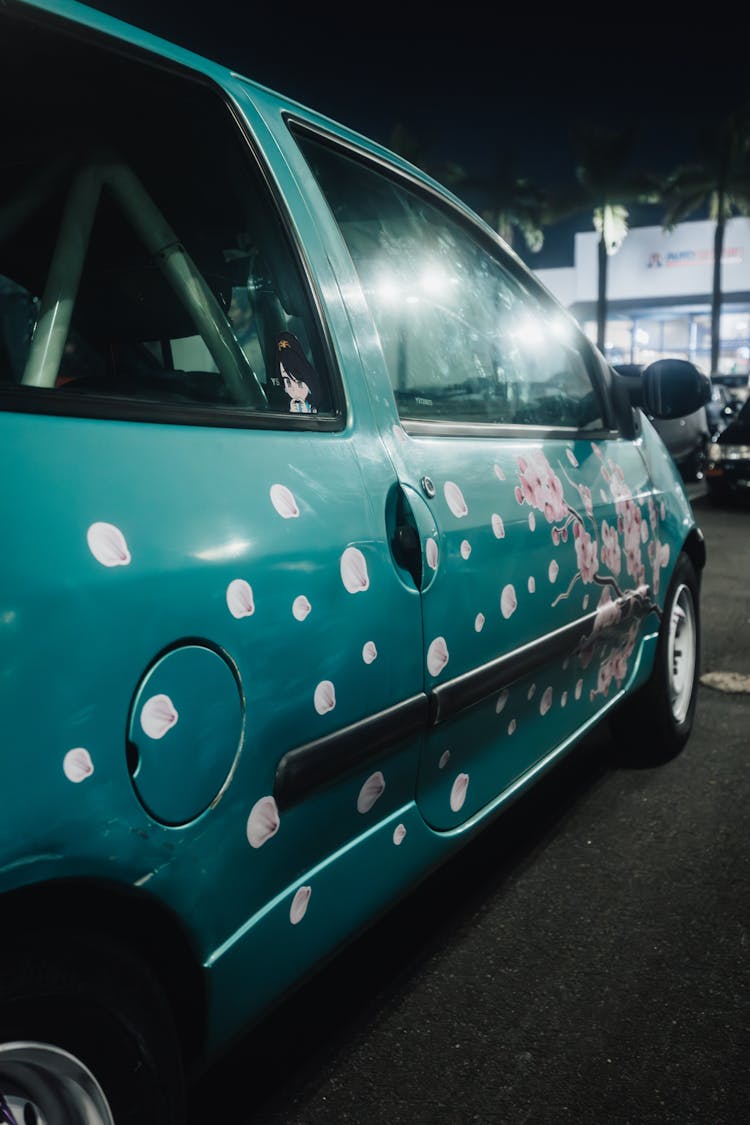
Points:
(532, 521)
(299, 905)
(531, 584)
(585, 601)
(77, 764)
(370, 791)
(369, 652)
(263, 822)
(531, 692)
(479, 622)
(325, 697)
(431, 553)
(437, 656)
(564, 699)
(300, 607)
(465, 548)
(512, 726)
(444, 759)
(354, 571)
(663, 510)
(664, 555)
(572, 458)
(508, 602)
(398, 834)
(455, 499)
(499, 473)
(107, 544)
(553, 571)
(158, 715)
(240, 598)
(458, 791)
(498, 527)
(579, 689)
(546, 701)
(284, 502)
(502, 699)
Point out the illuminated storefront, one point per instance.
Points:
(659, 294)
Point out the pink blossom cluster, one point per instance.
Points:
(615, 667)
(586, 553)
(629, 522)
(611, 554)
(540, 487)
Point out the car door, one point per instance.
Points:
(534, 533)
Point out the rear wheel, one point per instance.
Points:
(654, 724)
(86, 1038)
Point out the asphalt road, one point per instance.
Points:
(586, 961)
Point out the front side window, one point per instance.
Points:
(142, 258)
(464, 340)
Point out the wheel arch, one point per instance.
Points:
(695, 549)
(132, 920)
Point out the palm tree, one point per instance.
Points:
(509, 202)
(605, 186)
(720, 183)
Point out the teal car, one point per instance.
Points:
(325, 532)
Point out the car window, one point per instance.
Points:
(142, 258)
(464, 339)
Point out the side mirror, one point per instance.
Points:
(673, 388)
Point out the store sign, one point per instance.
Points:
(651, 264)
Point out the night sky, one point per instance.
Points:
(476, 85)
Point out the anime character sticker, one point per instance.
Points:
(296, 375)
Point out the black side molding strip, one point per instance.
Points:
(309, 767)
(313, 765)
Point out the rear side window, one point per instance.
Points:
(142, 258)
(463, 338)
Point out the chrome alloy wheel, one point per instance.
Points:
(681, 652)
(43, 1085)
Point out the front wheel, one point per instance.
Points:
(654, 724)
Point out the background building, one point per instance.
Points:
(659, 294)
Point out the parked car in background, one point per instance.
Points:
(721, 408)
(737, 386)
(326, 531)
(728, 469)
(686, 437)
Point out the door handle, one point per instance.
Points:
(406, 545)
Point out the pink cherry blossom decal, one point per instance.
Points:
(455, 499)
(444, 759)
(431, 554)
(263, 822)
(458, 791)
(512, 726)
(572, 458)
(240, 598)
(372, 789)
(354, 571)
(107, 544)
(465, 548)
(531, 584)
(369, 652)
(546, 701)
(300, 607)
(437, 656)
(399, 832)
(479, 622)
(283, 501)
(508, 601)
(324, 698)
(158, 715)
(499, 473)
(299, 905)
(498, 527)
(502, 699)
(77, 765)
(553, 571)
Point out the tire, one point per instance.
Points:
(85, 1037)
(653, 725)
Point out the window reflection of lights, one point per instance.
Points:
(641, 336)
(387, 290)
(530, 331)
(435, 281)
(412, 299)
(561, 329)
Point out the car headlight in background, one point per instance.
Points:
(731, 452)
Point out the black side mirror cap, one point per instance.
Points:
(667, 388)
